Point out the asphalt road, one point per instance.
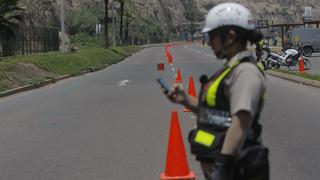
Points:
(114, 124)
(315, 60)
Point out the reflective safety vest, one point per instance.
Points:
(261, 44)
(214, 106)
(260, 65)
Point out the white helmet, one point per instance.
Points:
(229, 14)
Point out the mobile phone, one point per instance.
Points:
(163, 84)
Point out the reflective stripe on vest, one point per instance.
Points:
(212, 90)
(260, 65)
(261, 43)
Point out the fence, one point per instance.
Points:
(28, 40)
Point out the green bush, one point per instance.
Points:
(84, 39)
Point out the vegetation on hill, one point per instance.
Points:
(32, 69)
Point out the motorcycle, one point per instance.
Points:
(290, 58)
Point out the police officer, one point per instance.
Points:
(259, 53)
(227, 139)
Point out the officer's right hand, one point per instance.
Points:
(177, 94)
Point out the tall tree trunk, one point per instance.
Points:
(106, 18)
(126, 31)
(121, 19)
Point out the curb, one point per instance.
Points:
(296, 79)
(151, 45)
(46, 82)
(33, 86)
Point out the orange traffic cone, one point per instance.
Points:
(178, 78)
(301, 65)
(167, 50)
(191, 92)
(170, 59)
(177, 164)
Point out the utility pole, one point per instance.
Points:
(63, 44)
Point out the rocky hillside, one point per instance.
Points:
(170, 13)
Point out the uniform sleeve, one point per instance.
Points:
(246, 89)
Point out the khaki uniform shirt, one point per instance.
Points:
(245, 86)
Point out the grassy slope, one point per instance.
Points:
(23, 70)
(303, 75)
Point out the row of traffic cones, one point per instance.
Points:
(191, 90)
(160, 66)
(177, 167)
(168, 54)
(191, 87)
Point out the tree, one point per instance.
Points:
(83, 19)
(106, 18)
(10, 16)
(121, 18)
(147, 30)
(192, 29)
(128, 20)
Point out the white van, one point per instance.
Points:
(309, 39)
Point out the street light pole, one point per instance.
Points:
(63, 48)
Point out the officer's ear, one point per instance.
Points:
(231, 37)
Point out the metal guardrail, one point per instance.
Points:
(28, 40)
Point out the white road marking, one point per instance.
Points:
(200, 52)
(123, 82)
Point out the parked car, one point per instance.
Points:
(309, 39)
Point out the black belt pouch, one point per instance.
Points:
(253, 163)
(202, 151)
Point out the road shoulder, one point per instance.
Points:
(296, 79)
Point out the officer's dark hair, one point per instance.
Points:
(242, 35)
